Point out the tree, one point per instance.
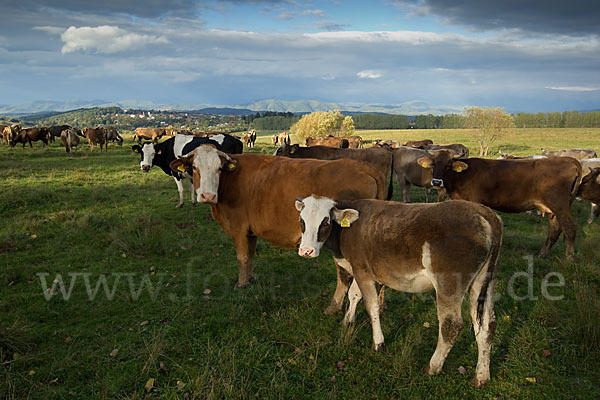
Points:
(321, 124)
(490, 124)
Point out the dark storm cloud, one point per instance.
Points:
(575, 17)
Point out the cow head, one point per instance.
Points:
(443, 164)
(317, 215)
(206, 164)
(286, 149)
(147, 151)
(590, 186)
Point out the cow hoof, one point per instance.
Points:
(332, 309)
(479, 383)
(179, 205)
(239, 285)
(543, 253)
(377, 346)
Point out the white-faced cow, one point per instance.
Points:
(252, 195)
(548, 185)
(162, 154)
(451, 247)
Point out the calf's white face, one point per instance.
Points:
(207, 164)
(148, 152)
(317, 214)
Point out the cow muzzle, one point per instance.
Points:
(307, 252)
(146, 167)
(209, 198)
(437, 183)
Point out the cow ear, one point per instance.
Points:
(230, 165)
(425, 162)
(299, 204)
(459, 166)
(136, 148)
(293, 149)
(159, 152)
(345, 217)
(182, 164)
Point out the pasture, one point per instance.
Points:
(144, 306)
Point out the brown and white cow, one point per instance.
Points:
(95, 136)
(329, 141)
(28, 135)
(247, 205)
(389, 144)
(69, 139)
(578, 154)
(354, 142)
(381, 159)
(249, 138)
(459, 149)
(55, 131)
(548, 185)
(152, 134)
(588, 166)
(419, 144)
(451, 247)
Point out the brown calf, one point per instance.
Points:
(95, 136)
(329, 141)
(29, 135)
(548, 185)
(451, 247)
(152, 134)
(253, 195)
(419, 144)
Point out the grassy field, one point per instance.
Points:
(151, 300)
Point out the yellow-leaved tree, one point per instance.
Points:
(322, 124)
(490, 124)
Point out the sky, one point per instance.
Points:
(522, 55)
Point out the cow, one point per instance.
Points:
(11, 131)
(56, 131)
(451, 247)
(5, 134)
(249, 138)
(354, 142)
(329, 141)
(407, 170)
(578, 154)
(284, 137)
(389, 144)
(381, 159)
(419, 144)
(274, 139)
(162, 154)
(95, 136)
(69, 139)
(548, 185)
(459, 149)
(247, 205)
(591, 187)
(112, 135)
(28, 135)
(152, 134)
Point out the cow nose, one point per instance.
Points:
(306, 252)
(145, 167)
(437, 183)
(208, 198)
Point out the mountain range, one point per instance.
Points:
(415, 107)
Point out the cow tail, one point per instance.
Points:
(490, 266)
(576, 182)
(391, 185)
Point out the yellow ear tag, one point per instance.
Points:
(181, 168)
(425, 164)
(292, 151)
(345, 223)
(231, 166)
(458, 168)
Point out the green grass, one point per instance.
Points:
(96, 215)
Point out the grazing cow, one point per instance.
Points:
(419, 144)
(274, 139)
(69, 139)
(162, 154)
(95, 136)
(56, 131)
(548, 185)
(249, 138)
(381, 159)
(589, 165)
(152, 134)
(451, 247)
(284, 137)
(112, 135)
(29, 135)
(247, 204)
(354, 142)
(389, 144)
(459, 149)
(578, 154)
(329, 141)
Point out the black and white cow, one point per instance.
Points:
(162, 154)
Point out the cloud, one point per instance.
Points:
(104, 39)
(53, 30)
(575, 17)
(573, 88)
(368, 74)
(331, 26)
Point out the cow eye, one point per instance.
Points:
(302, 225)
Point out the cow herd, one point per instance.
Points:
(336, 196)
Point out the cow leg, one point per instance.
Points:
(354, 297)
(245, 248)
(484, 328)
(406, 192)
(569, 228)
(594, 211)
(450, 325)
(553, 234)
(180, 190)
(192, 192)
(369, 290)
(344, 279)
